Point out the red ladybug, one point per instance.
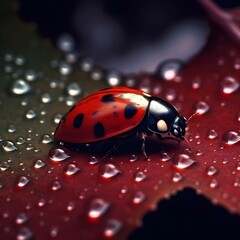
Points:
(118, 112)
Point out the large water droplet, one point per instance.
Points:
(108, 170)
(211, 170)
(177, 177)
(30, 114)
(138, 197)
(11, 128)
(20, 87)
(22, 181)
(39, 164)
(229, 85)
(71, 169)
(9, 146)
(4, 166)
(212, 134)
(202, 107)
(112, 228)
(24, 234)
(57, 118)
(98, 207)
(46, 139)
(139, 176)
(21, 218)
(169, 69)
(58, 154)
(182, 161)
(230, 137)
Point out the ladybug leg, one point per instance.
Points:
(168, 138)
(143, 137)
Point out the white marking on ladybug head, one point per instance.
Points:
(162, 126)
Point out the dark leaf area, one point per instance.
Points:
(49, 190)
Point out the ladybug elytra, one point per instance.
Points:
(119, 111)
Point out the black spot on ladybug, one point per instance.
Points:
(108, 98)
(94, 113)
(115, 114)
(78, 120)
(98, 130)
(130, 111)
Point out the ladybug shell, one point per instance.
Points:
(103, 115)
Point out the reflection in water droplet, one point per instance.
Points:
(70, 206)
(86, 64)
(98, 207)
(164, 156)
(138, 197)
(108, 170)
(196, 83)
(211, 170)
(74, 89)
(112, 228)
(9, 146)
(21, 218)
(229, 85)
(113, 78)
(139, 176)
(57, 118)
(20, 87)
(212, 134)
(182, 161)
(171, 95)
(4, 166)
(22, 181)
(11, 128)
(238, 166)
(58, 154)
(30, 75)
(96, 74)
(213, 183)
(24, 234)
(41, 202)
(20, 60)
(46, 98)
(169, 69)
(71, 169)
(56, 185)
(133, 158)
(65, 68)
(202, 107)
(65, 42)
(177, 177)
(30, 114)
(230, 137)
(93, 160)
(39, 164)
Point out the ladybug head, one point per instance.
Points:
(178, 128)
(164, 118)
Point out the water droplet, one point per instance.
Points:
(46, 98)
(19, 60)
(199, 152)
(20, 87)
(4, 166)
(86, 64)
(177, 177)
(112, 228)
(133, 158)
(211, 170)
(30, 75)
(229, 85)
(139, 176)
(93, 160)
(213, 183)
(69, 101)
(30, 114)
(70, 206)
(54, 231)
(65, 68)
(202, 107)
(71, 169)
(130, 82)
(230, 137)
(39, 164)
(237, 64)
(96, 74)
(98, 207)
(41, 202)
(138, 197)
(11, 128)
(171, 95)
(238, 166)
(56, 185)
(21, 218)
(24, 234)
(113, 78)
(46, 139)
(74, 89)
(108, 170)
(212, 134)
(9, 146)
(164, 156)
(182, 161)
(66, 42)
(58, 154)
(169, 69)
(57, 118)
(23, 181)
(196, 83)
(8, 57)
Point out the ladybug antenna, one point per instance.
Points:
(193, 115)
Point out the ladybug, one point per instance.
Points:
(119, 112)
